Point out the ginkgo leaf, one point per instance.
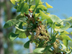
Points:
(64, 32)
(38, 50)
(48, 6)
(65, 42)
(29, 36)
(63, 28)
(26, 45)
(13, 36)
(21, 34)
(56, 19)
(68, 19)
(40, 3)
(10, 23)
(44, 16)
(13, 1)
(42, 7)
(37, 2)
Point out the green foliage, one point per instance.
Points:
(26, 45)
(38, 50)
(13, 1)
(63, 28)
(34, 22)
(10, 23)
(13, 36)
(21, 34)
(44, 16)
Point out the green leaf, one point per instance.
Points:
(48, 6)
(19, 26)
(39, 7)
(10, 23)
(38, 50)
(37, 2)
(68, 19)
(13, 36)
(25, 8)
(26, 45)
(42, 7)
(63, 28)
(53, 39)
(21, 34)
(29, 36)
(32, 7)
(65, 42)
(44, 16)
(64, 32)
(66, 37)
(13, 1)
(54, 18)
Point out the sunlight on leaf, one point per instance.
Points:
(48, 6)
(44, 16)
(38, 50)
(63, 28)
(13, 1)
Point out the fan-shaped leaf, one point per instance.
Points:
(13, 36)
(21, 34)
(26, 45)
(44, 16)
(48, 6)
(54, 18)
(38, 50)
(63, 28)
(10, 23)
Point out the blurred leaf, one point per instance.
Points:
(19, 26)
(29, 36)
(40, 3)
(26, 45)
(37, 2)
(63, 28)
(13, 36)
(10, 23)
(63, 46)
(32, 7)
(42, 7)
(25, 8)
(66, 37)
(21, 34)
(44, 16)
(53, 39)
(64, 32)
(68, 19)
(13, 1)
(23, 24)
(39, 7)
(38, 50)
(54, 18)
(48, 6)
(71, 33)
(65, 42)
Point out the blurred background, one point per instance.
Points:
(61, 8)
